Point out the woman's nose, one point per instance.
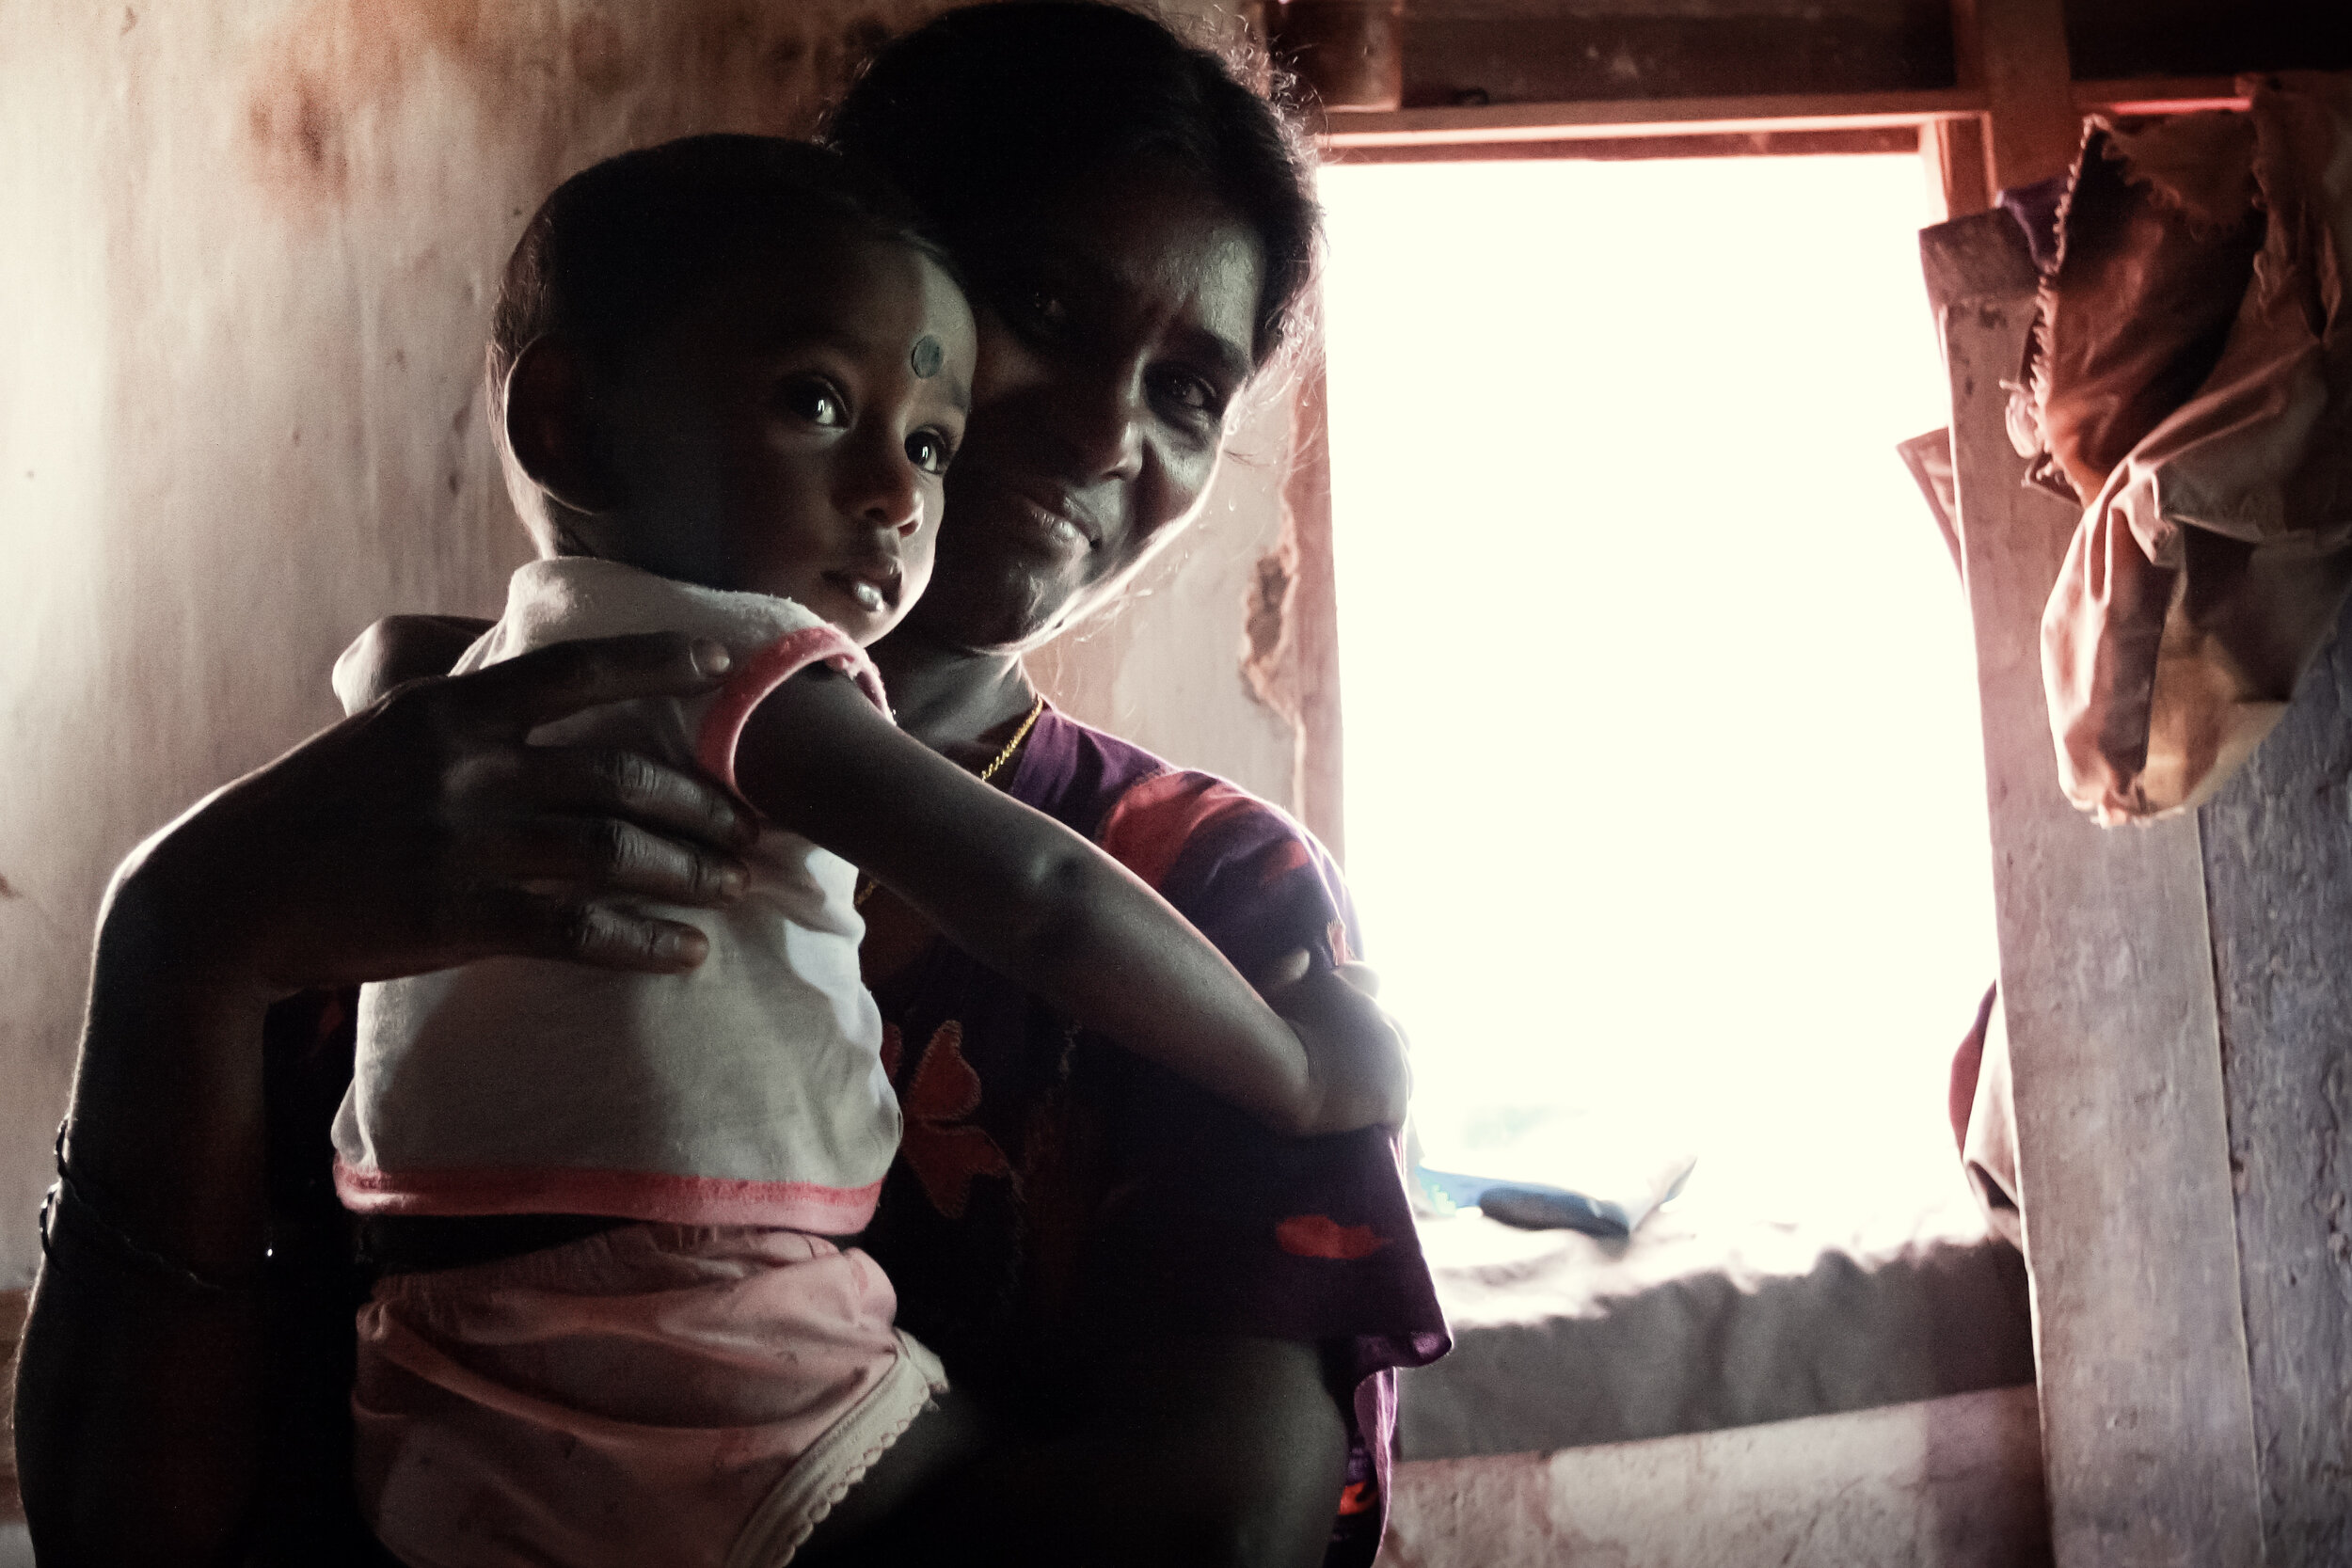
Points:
(1100, 423)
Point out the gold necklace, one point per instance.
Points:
(865, 885)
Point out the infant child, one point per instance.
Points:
(726, 376)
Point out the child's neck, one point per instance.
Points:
(952, 699)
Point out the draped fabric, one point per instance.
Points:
(2191, 382)
(1052, 1191)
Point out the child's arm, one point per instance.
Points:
(1027, 897)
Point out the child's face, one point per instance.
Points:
(786, 435)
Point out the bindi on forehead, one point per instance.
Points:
(927, 357)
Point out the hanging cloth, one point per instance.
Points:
(2190, 379)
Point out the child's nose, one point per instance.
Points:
(885, 489)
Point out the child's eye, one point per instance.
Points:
(929, 450)
(814, 398)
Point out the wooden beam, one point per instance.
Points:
(1950, 123)
(2107, 982)
(2158, 95)
(2013, 52)
(1643, 117)
(1866, 141)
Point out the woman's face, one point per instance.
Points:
(1113, 340)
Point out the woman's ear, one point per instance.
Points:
(552, 430)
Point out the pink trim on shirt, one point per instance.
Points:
(629, 1195)
(761, 673)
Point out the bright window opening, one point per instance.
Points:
(1664, 783)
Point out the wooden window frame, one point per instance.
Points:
(2146, 1436)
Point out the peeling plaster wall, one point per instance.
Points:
(246, 269)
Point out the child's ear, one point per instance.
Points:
(550, 428)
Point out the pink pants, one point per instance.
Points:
(657, 1393)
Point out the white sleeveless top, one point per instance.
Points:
(749, 1091)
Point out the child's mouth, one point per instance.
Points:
(872, 592)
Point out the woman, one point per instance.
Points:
(1171, 1337)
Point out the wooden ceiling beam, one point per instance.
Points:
(1645, 117)
(1621, 118)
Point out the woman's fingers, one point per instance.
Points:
(517, 921)
(606, 855)
(1361, 1047)
(522, 693)
(367, 851)
(625, 785)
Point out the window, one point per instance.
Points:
(1664, 787)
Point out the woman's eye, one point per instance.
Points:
(1193, 395)
(814, 401)
(929, 450)
(1044, 311)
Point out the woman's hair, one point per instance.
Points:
(987, 112)
(625, 243)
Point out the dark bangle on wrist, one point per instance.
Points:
(65, 1195)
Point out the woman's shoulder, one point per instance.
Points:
(1236, 865)
(1122, 796)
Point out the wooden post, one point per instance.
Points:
(2014, 51)
(2107, 978)
(1953, 151)
(2278, 882)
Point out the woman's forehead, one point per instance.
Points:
(1151, 244)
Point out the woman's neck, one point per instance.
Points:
(951, 699)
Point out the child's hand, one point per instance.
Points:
(1357, 1070)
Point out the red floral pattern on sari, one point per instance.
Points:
(939, 1143)
(1320, 1236)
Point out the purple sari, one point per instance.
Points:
(1049, 1186)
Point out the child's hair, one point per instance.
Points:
(624, 244)
(986, 111)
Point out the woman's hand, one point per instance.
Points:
(420, 832)
(1357, 1055)
(423, 832)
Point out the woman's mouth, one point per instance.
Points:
(1058, 519)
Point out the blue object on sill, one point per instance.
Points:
(1534, 1206)
(1549, 1168)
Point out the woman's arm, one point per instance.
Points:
(1025, 895)
(420, 833)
